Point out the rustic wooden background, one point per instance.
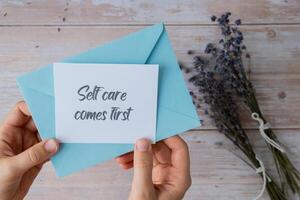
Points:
(35, 33)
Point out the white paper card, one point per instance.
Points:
(105, 103)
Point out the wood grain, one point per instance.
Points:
(34, 33)
(216, 172)
(274, 65)
(99, 12)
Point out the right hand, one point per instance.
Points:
(161, 171)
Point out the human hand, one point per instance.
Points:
(22, 153)
(161, 171)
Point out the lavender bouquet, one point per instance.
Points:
(224, 112)
(223, 82)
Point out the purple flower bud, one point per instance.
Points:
(238, 22)
(213, 18)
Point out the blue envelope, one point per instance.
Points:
(175, 113)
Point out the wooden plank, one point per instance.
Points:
(275, 54)
(25, 12)
(216, 172)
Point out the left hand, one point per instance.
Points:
(22, 153)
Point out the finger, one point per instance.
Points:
(162, 153)
(31, 140)
(127, 166)
(125, 158)
(143, 164)
(31, 126)
(180, 158)
(38, 137)
(19, 115)
(155, 161)
(33, 156)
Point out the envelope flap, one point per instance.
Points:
(134, 48)
(42, 76)
(173, 95)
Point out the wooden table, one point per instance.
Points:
(35, 33)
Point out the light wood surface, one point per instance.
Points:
(105, 12)
(35, 33)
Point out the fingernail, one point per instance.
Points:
(143, 145)
(51, 146)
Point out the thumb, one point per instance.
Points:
(143, 164)
(33, 156)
